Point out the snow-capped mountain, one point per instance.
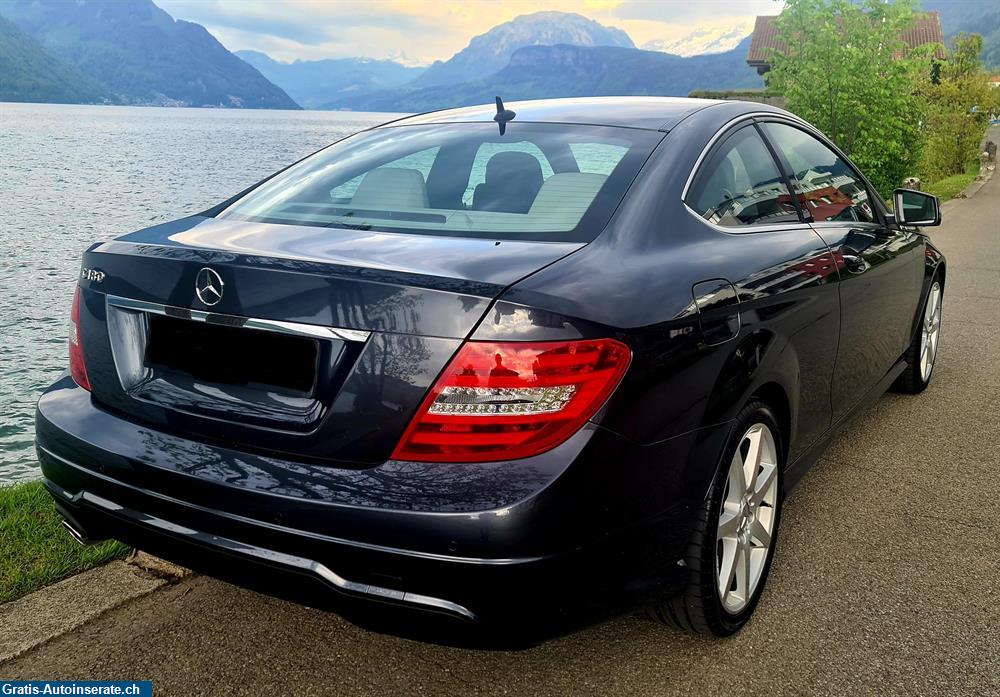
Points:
(404, 60)
(703, 40)
(490, 52)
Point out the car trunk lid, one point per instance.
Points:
(306, 342)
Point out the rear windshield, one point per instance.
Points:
(536, 181)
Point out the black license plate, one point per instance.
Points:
(227, 355)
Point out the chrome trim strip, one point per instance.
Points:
(270, 556)
(76, 534)
(853, 224)
(315, 331)
(748, 229)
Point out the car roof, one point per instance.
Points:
(656, 113)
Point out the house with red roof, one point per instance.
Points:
(926, 29)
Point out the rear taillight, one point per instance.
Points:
(77, 368)
(503, 401)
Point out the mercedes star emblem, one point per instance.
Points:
(208, 286)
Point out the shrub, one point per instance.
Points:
(847, 71)
(958, 104)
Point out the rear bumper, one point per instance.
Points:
(594, 526)
(92, 517)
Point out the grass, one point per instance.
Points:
(952, 186)
(35, 550)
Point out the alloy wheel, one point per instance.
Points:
(747, 518)
(930, 332)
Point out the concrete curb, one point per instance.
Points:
(978, 183)
(159, 568)
(64, 606)
(971, 190)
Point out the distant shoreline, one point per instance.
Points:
(226, 109)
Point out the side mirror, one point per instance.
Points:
(916, 208)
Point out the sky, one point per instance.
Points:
(419, 32)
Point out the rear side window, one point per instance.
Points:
(536, 181)
(827, 187)
(740, 185)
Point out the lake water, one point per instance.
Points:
(73, 175)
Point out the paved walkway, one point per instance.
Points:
(887, 579)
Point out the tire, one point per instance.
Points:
(917, 375)
(701, 607)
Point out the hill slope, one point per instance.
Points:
(313, 83)
(32, 74)
(537, 72)
(974, 17)
(143, 55)
(490, 52)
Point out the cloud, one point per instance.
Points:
(312, 29)
(649, 21)
(710, 11)
(427, 30)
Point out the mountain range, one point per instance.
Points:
(492, 51)
(537, 72)
(973, 17)
(130, 52)
(558, 54)
(32, 74)
(540, 55)
(703, 40)
(315, 83)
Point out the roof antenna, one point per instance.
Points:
(503, 116)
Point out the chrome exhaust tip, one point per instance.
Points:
(77, 534)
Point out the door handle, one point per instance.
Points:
(854, 262)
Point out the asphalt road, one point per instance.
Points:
(886, 581)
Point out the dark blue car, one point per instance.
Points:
(517, 368)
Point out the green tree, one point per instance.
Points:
(846, 70)
(957, 111)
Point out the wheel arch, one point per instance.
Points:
(942, 271)
(774, 395)
(934, 268)
(762, 365)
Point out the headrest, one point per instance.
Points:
(513, 164)
(390, 188)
